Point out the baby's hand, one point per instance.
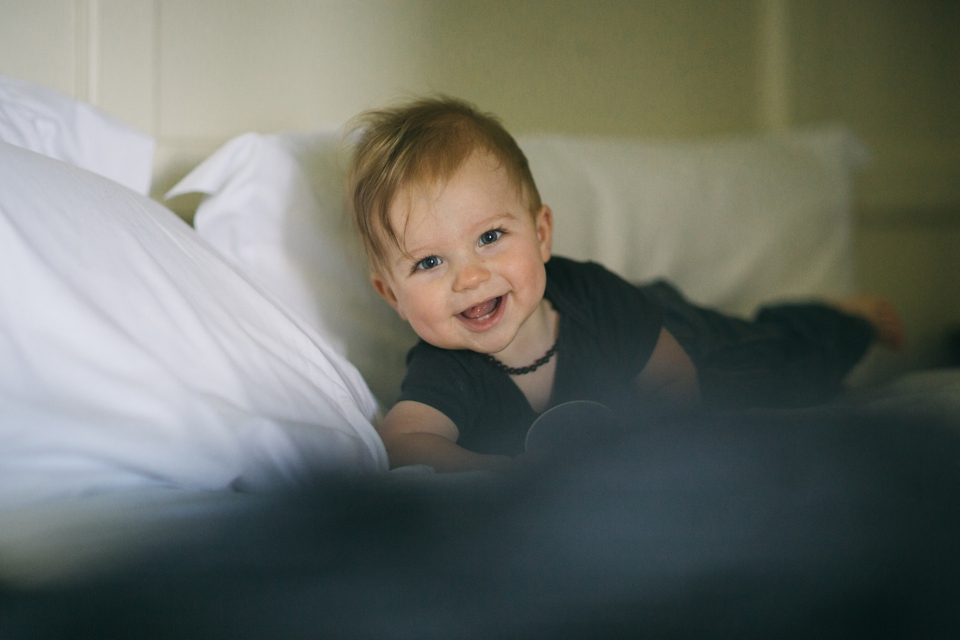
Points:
(880, 313)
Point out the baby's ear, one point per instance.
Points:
(544, 223)
(386, 292)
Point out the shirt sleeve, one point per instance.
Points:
(632, 318)
(490, 412)
(618, 322)
(438, 378)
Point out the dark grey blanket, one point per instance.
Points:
(837, 522)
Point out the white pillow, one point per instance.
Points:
(274, 208)
(733, 223)
(131, 354)
(56, 125)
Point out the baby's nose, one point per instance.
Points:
(470, 276)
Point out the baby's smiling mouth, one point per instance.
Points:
(483, 309)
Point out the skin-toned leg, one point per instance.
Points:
(880, 313)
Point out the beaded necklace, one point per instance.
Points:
(519, 371)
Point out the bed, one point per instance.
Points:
(187, 444)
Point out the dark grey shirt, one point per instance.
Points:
(608, 329)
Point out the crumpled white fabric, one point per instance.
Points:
(61, 127)
(132, 355)
(274, 209)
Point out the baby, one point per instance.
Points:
(460, 246)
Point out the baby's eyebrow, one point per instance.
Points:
(492, 221)
(406, 257)
(411, 254)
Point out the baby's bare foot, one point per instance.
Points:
(880, 313)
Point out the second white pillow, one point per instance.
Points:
(274, 208)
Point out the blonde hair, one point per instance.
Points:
(422, 142)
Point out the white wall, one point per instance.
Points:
(196, 72)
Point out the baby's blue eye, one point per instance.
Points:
(429, 263)
(488, 237)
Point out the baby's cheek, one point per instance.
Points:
(429, 322)
(536, 277)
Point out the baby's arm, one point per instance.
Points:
(669, 380)
(416, 433)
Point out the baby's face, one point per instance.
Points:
(473, 271)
